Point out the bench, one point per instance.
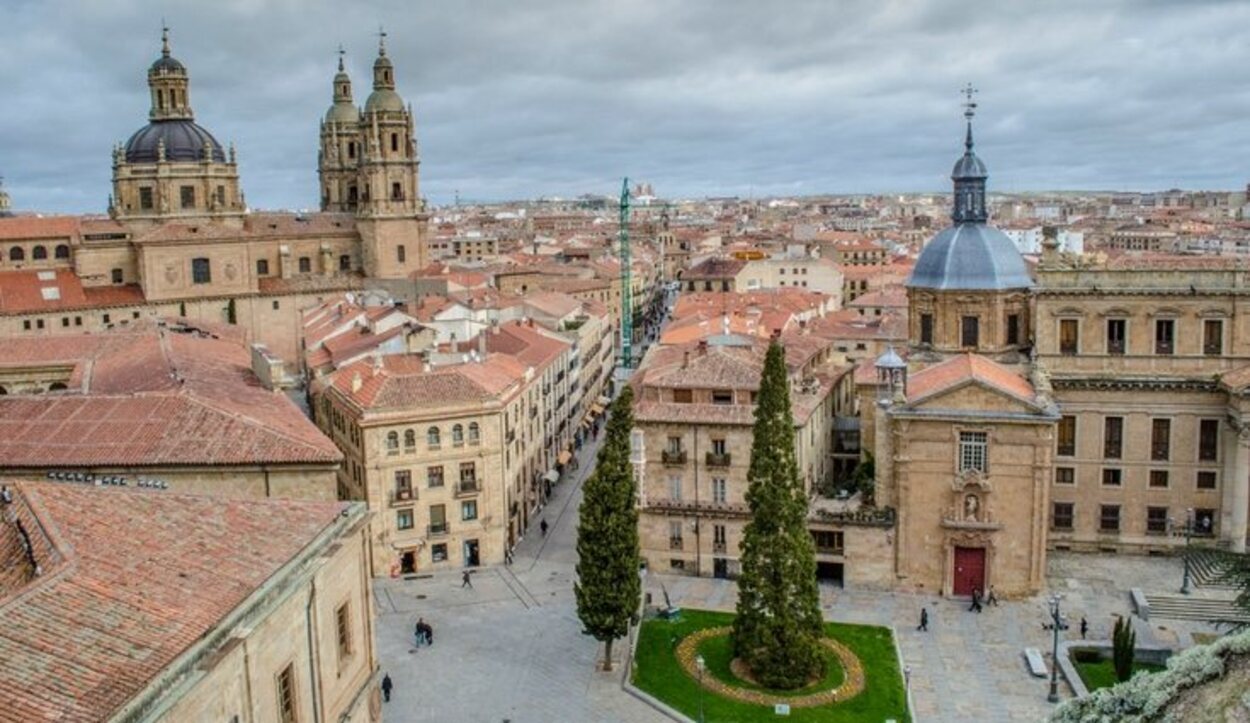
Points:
(1037, 664)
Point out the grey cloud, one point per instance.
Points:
(518, 100)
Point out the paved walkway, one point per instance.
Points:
(510, 648)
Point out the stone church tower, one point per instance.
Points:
(173, 168)
(369, 166)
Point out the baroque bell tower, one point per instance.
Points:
(338, 162)
(390, 213)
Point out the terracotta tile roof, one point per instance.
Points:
(850, 325)
(148, 396)
(890, 297)
(403, 381)
(965, 367)
(21, 228)
(34, 291)
(134, 579)
(530, 345)
(714, 268)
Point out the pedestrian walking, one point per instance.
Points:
(992, 598)
(507, 556)
(924, 620)
(386, 688)
(975, 607)
(543, 526)
(419, 632)
(466, 580)
(1084, 627)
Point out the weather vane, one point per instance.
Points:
(341, 54)
(970, 106)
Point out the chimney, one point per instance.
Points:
(702, 347)
(455, 345)
(481, 344)
(357, 382)
(377, 361)
(1050, 245)
(685, 359)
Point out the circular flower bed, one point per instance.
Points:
(851, 686)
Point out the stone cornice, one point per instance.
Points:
(1135, 383)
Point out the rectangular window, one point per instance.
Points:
(201, 271)
(1113, 437)
(1204, 522)
(434, 476)
(145, 199)
(1165, 330)
(118, 276)
(262, 267)
(403, 483)
(26, 323)
(722, 396)
(221, 196)
(1206, 480)
(1158, 478)
(674, 445)
(718, 538)
(1160, 439)
(1117, 336)
(674, 534)
(1061, 516)
(674, 487)
(683, 396)
(401, 254)
(403, 520)
(1069, 330)
(719, 489)
(288, 710)
(926, 328)
(468, 510)
(438, 518)
(186, 195)
(1212, 337)
(1109, 518)
(973, 452)
(1065, 476)
(276, 305)
(468, 474)
(718, 447)
(343, 626)
(1112, 476)
(397, 192)
(345, 263)
(305, 264)
(970, 330)
(1209, 440)
(1013, 329)
(438, 553)
(1157, 520)
(1066, 435)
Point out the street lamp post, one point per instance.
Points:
(1189, 532)
(700, 664)
(907, 684)
(1058, 622)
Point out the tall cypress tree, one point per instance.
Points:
(608, 586)
(778, 626)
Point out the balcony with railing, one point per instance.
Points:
(719, 547)
(673, 456)
(402, 497)
(468, 487)
(718, 460)
(439, 529)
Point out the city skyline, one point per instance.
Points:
(566, 98)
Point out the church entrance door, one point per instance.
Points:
(969, 570)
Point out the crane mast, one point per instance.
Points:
(627, 301)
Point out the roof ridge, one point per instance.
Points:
(250, 421)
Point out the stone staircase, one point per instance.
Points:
(1205, 608)
(1205, 569)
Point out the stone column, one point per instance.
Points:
(1237, 493)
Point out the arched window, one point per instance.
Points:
(392, 442)
(395, 142)
(39, 253)
(457, 435)
(410, 440)
(17, 253)
(160, 100)
(475, 433)
(62, 251)
(432, 437)
(351, 149)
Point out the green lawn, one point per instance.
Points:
(718, 654)
(657, 672)
(1102, 673)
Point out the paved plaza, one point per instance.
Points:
(511, 649)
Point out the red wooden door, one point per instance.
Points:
(969, 570)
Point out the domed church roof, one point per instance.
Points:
(970, 254)
(184, 141)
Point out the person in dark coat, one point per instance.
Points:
(386, 688)
(924, 620)
(543, 526)
(466, 580)
(1084, 627)
(975, 607)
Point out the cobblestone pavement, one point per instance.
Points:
(511, 648)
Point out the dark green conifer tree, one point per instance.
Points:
(778, 626)
(608, 588)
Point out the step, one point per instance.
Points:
(1185, 607)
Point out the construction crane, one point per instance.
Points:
(627, 301)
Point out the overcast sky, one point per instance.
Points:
(710, 97)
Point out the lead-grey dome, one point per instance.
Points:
(184, 141)
(969, 166)
(970, 256)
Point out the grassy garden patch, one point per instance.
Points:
(1101, 673)
(658, 672)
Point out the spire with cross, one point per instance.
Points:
(341, 54)
(164, 38)
(381, 40)
(970, 110)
